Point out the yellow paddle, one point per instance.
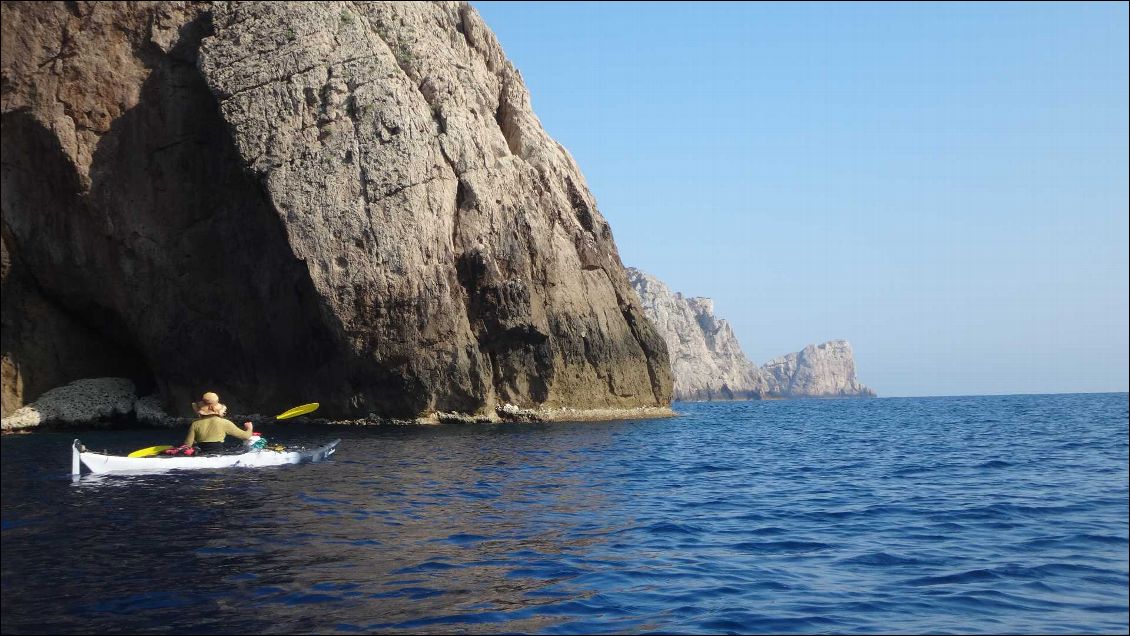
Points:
(298, 410)
(148, 452)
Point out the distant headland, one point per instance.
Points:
(708, 363)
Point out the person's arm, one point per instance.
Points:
(235, 431)
(188, 441)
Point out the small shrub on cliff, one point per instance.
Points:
(403, 57)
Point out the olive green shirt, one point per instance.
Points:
(213, 429)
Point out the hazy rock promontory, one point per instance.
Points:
(706, 359)
(823, 370)
(708, 363)
(344, 202)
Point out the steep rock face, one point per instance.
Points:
(824, 370)
(132, 226)
(706, 359)
(708, 363)
(348, 202)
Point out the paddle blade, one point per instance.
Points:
(298, 410)
(148, 452)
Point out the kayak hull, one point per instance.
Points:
(98, 463)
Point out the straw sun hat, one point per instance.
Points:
(209, 404)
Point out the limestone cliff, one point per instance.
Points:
(346, 202)
(824, 370)
(708, 363)
(706, 359)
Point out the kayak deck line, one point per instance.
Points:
(102, 463)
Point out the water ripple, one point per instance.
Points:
(971, 515)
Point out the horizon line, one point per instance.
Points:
(1124, 391)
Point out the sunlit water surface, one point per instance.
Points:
(979, 514)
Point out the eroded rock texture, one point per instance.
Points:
(708, 363)
(823, 370)
(706, 359)
(345, 202)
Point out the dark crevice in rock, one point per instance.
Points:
(464, 200)
(649, 341)
(289, 76)
(498, 310)
(652, 348)
(462, 27)
(580, 206)
(466, 277)
(505, 117)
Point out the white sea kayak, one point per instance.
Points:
(99, 463)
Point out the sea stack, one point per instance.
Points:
(823, 370)
(344, 202)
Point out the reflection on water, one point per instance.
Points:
(974, 514)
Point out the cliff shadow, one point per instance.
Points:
(52, 334)
(171, 252)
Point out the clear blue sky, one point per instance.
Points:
(944, 185)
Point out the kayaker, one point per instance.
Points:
(210, 431)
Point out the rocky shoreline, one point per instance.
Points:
(90, 402)
(107, 402)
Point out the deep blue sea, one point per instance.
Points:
(1004, 514)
